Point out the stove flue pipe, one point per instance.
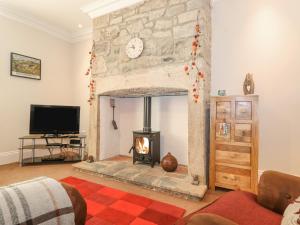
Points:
(147, 114)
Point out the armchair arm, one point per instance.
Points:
(277, 190)
(209, 219)
(79, 205)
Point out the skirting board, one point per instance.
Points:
(13, 156)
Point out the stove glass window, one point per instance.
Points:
(142, 145)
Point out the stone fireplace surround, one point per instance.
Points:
(159, 70)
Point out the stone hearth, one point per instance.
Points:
(167, 29)
(143, 175)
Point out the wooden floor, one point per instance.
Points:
(14, 173)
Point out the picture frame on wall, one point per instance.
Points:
(25, 66)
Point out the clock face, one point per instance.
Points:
(134, 48)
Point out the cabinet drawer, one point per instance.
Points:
(233, 181)
(243, 110)
(237, 158)
(223, 110)
(233, 148)
(243, 132)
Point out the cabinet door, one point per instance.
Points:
(223, 132)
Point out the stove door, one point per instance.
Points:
(142, 145)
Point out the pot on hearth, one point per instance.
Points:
(169, 163)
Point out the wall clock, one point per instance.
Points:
(134, 48)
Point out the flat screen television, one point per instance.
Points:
(51, 119)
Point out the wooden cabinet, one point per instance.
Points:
(234, 143)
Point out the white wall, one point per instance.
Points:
(110, 138)
(260, 37)
(63, 83)
(174, 127)
(169, 116)
(131, 118)
(263, 38)
(16, 94)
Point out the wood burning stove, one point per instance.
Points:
(146, 143)
(146, 147)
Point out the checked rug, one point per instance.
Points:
(108, 206)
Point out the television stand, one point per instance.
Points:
(52, 135)
(51, 149)
(54, 145)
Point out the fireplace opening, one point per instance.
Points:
(146, 143)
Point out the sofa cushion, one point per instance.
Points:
(292, 213)
(209, 219)
(243, 209)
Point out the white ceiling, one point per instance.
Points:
(61, 15)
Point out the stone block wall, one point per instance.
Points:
(167, 28)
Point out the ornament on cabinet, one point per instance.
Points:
(248, 84)
(222, 92)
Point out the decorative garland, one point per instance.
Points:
(193, 67)
(92, 85)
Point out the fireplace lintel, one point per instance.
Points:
(145, 92)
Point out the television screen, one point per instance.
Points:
(54, 119)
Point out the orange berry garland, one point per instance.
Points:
(92, 85)
(193, 65)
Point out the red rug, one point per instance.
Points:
(108, 206)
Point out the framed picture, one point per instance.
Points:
(25, 66)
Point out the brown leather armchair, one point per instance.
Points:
(79, 205)
(275, 192)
